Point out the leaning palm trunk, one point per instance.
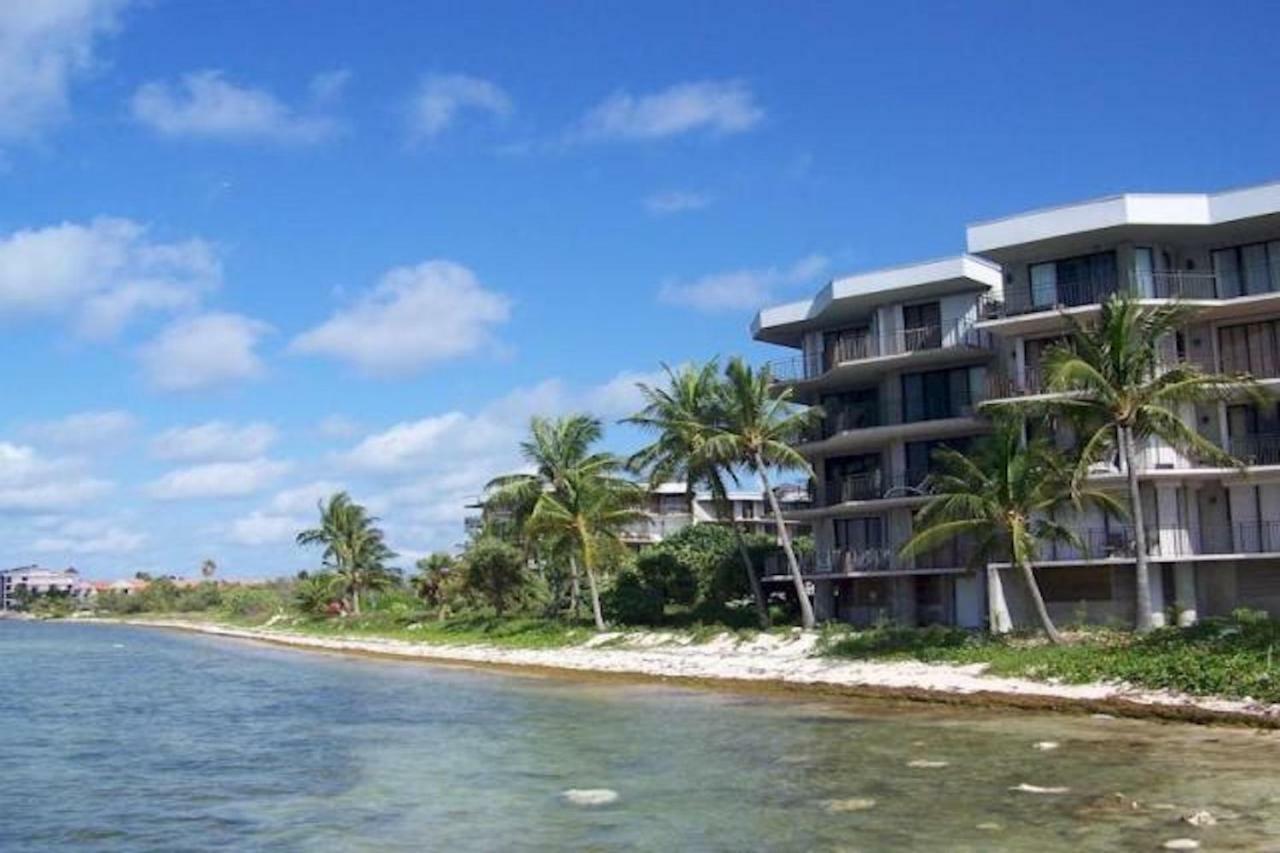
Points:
(806, 607)
(1141, 570)
(757, 592)
(355, 601)
(575, 589)
(1037, 602)
(589, 568)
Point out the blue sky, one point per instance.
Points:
(250, 253)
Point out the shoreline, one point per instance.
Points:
(771, 664)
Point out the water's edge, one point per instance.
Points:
(1034, 697)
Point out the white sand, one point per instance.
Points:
(787, 660)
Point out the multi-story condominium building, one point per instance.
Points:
(36, 581)
(668, 510)
(905, 360)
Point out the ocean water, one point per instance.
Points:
(118, 738)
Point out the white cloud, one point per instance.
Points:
(288, 512)
(676, 201)
(102, 273)
(303, 499)
(740, 290)
(30, 482)
(717, 106)
(217, 480)
(338, 426)
(44, 45)
(214, 440)
(90, 537)
(204, 351)
(441, 97)
(415, 316)
(83, 429)
(206, 104)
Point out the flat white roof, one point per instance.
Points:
(1127, 209)
(875, 287)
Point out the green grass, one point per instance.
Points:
(514, 632)
(1237, 657)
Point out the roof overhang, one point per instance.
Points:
(1137, 215)
(853, 296)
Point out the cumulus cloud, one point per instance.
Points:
(675, 201)
(740, 290)
(90, 537)
(441, 98)
(721, 107)
(83, 430)
(44, 46)
(204, 351)
(288, 512)
(30, 482)
(102, 273)
(413, 317)
(217, 480)
(214, 440)
(206, 104)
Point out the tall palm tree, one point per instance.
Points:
(429, 584)
(555, 449)
(592, 510)
(757, 429)
(354, 546)
(683, 415)
(1111, 375)
(1002, 496)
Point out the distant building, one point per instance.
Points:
(668, 510)
(35, 580)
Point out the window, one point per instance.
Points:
(922, 326)
(935, 394)
(1144, 271)
(854, 478)
(1249, 269)
(1073, 281)
(1076, 584)
(919, 456)
(1252, 348)
(852, 410)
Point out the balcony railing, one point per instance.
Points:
(1175, 284)
(656, 527)
(854, 347)
(1243, 537)
(875, 485)
(1260, 449)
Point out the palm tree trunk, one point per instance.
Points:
(1037, 601)
(575, 589)
(806, 608)
(1141, 570)
(588, 565)
(757, 593)
(355, 601)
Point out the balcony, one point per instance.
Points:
(875, 485)
(655, 527)
(1176, 284)
(859, 346)
(1259, 449)
(1245, 537)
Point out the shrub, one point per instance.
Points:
(665, 575)
(251, 602)
(495, 571)
(633, 601)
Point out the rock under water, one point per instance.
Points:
(854, 804)
(590, 796)
(1037, 789)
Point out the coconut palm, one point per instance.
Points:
(554, 449)
(683, 415)
(208, 569)
(1002, 497)
(431, 580)
(591, 510)
(757, 428)
(1111, 375)
(354, 547)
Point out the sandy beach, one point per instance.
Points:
(770, 661)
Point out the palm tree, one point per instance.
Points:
(208, 569)
(757, 430)
(683, 415)
(1002, 496)
(591, 510)
(354, 546)
(434, 571)
(1112, 377)
(555, 449)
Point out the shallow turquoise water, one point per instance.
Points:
(119, 738)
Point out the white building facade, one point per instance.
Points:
(36, 581)
(904, 360)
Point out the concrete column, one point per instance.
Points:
(1156, 573)
(824, 600)
(998, 619)
(1184, 580)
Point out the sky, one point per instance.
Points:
(252, 253)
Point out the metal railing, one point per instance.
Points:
(853, 347)
(1258, 449)
(1242, 537)
(875, 485)
(1173, 284)
(656, 527)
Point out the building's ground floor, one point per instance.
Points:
(1100, 593)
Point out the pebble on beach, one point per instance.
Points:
(1182, 844)
(590, 796)
(1046, 745)
(924, 763)
(1037, 789)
